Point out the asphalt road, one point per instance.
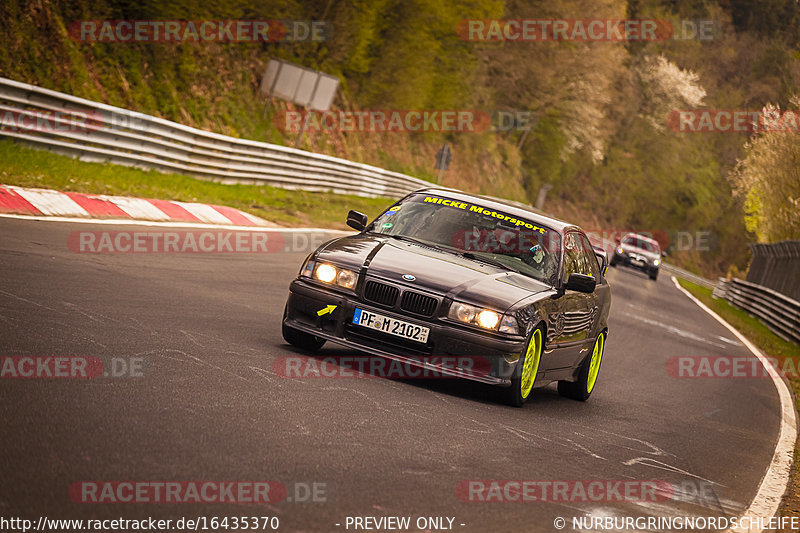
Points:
(209, 406)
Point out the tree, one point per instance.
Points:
(768, 178)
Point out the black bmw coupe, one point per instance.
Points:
(445, 273)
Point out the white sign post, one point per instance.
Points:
(303, 86)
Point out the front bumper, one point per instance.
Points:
(634, 262)
(445, 340)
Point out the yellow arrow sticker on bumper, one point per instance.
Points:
(325, 310)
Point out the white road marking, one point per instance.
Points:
(585, 449)
(649, 461)
(641, 311)
(677, 331)
(654, 450)
(767, 500)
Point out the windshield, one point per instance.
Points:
(641, 244)
(473, 231)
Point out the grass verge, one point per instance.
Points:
(772, 346)
(27, 167)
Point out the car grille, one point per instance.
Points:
(380, 293)
(417, 303)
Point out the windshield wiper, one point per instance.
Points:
(490, 261)
(422, 243)
(405, 238)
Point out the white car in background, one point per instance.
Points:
(640, 252)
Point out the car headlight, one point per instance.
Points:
(508, 324)
(656, 262)
(620, 251)
(327, 273)
(478, 316)
(346, 278)
(463, 312)
(488, 319)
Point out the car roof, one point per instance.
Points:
(642, 237)
(509, 206)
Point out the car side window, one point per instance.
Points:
(572, 256)
(579, 256)
(589, 258)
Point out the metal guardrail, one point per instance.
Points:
(720, 289)
(779, 313)
(47, 119)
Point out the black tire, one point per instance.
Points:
(514, 395)
(613, 261)
(300, 339)
(654, 274)
(580, 389)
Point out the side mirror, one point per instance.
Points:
(617, 240)
(580, 283)
(356, 220)
(664, 253)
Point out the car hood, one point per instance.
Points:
(436, 271)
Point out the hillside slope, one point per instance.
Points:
(599, 135)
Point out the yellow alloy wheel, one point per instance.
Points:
(531, 364)
(594, 364)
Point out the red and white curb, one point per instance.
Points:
(47, 202)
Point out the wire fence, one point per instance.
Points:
(777, 266)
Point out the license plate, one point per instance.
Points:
(392, 326)
(637, 262)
